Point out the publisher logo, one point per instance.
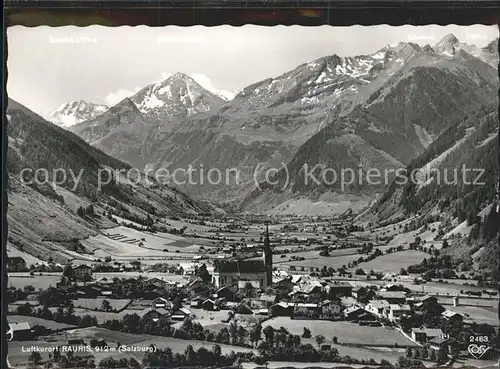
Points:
(477, 351)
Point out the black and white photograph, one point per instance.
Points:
(253, 197)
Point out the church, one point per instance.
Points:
(259, 273)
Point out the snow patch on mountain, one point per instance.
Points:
(206, 83)
(424, 137)
(75, 112)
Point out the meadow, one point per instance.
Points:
(346, 332)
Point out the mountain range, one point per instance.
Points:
(381, 110)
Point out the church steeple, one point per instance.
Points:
(268, 258)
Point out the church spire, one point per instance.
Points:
(266, 238)
(268, 258)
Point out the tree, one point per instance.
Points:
(432, 356)
(335, 339)
(442, 355)
(35, 358)
(409, 352)
(306, 333)
(248, 290)
(403, 271)
(320, 339)
(425, 353)
(217, 351)
(203, 273)
(269, 334)
(106, 306)
(233, 332)
(360, 272)
(68, 272)
(136, 264)
(256, 334)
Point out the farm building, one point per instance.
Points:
(82, 272)
(227, 292)
(336, 289)
(160, 302)
(397, 311)
(329, 308)
(309, 310)
(424, 335)
(441, 342)
(282, 309)
(16, 264)
(452, 316)
(209, 305)
(358, 313)
(377, 307)
(154, 314)
(21, 331)
(428, 299)
(181, 314)
(392, 297)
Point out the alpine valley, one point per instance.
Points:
(281, 262)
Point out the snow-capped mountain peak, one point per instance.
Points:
(74, 112)
(449, 39)
(450, 46)
(178, 95)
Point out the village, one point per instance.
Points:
(292, 290)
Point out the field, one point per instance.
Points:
(183, 279)
(30, 259)
(17, 357)
(96, 304)
(50, 324)
(101, 316)
(320, 261)
(347, 332)
(140, 340)
(288, 364)
(479, 315)
(19, 280)
(122, 242)
(392, 263)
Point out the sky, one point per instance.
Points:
(49, 66)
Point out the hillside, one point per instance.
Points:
(456, 187)
(43, 216)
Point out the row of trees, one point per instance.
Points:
(427, 353)
(61, 315)
(85, 211)
(233, 334)
(191, 357)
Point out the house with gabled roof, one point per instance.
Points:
(161, 302)
(154, 314)
(423, 335)
(378, 307)
(181, 314)
(452, 316)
